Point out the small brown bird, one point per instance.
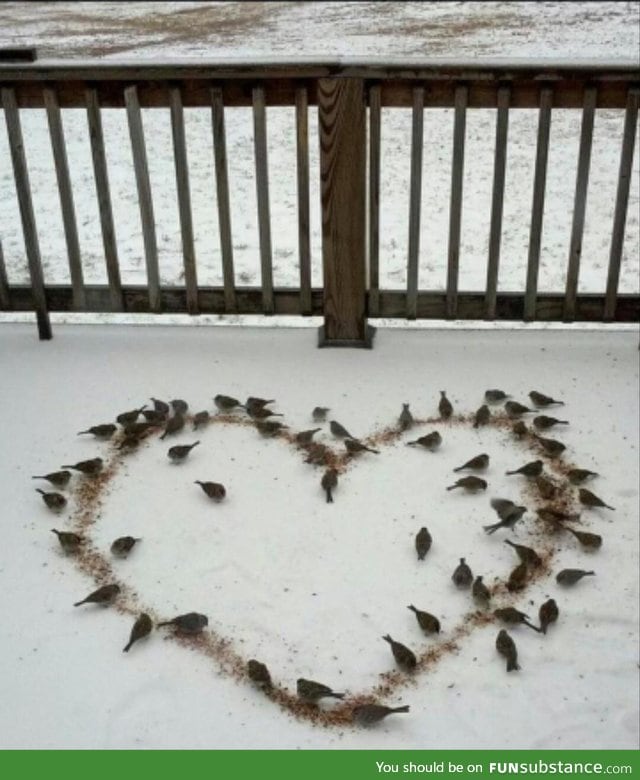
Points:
(319, 414)
(507, 649)
(543, 423)
(527, 555)
(552, 447)
(514, 409)
(588, 540)
(123, 545)
(154, 416)
(69, 542)
(471, 484)
(317, 454)
(513, 617)
(180, 452)
(462, 576)
(103, 595)
(225, 403)
(405, 420)
(311, 691)
(190, 623)
(482, 416)
(571, 576)
(129, 442)
(339, 431)
(540, 399)
(58, 479)
(370, 714)
(495, 396)
(548, 614)
(532, 469)
(578, 476)
(306, 437)
(255, 401)
(423, 543)
(173, 425)
(508, 512)
(590, 500)
(258, 673)
(547, 489)
(88, 467)
(54, 501)
(554, 518)
(480, 592)
(261, 413)
(430, 442)
(105, 431)
(161, 407)
(329, 483)
(214, 490)
(445, 406)
(200, 419)
(270, 428)
(139, 428)
(519, 429)
(126, 418)
(477, 463)
(428, 623)
(518, 578)
(179, 406)
(141, 628)
(354, 447)
(404, 657)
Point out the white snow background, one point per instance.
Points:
(254, 562)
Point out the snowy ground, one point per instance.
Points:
(308, 587)
(595, 31)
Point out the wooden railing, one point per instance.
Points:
(350, 95)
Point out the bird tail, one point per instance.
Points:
(336, 695)
(492, 528)
(452, 487)
(509, 473)
(78, 603)
(512, 664)
(543, 629)
(412, 608)
(387, 638)
(166, 623)
(369, 449)
(195, 445)
(535, 628)
(81, 432)
(411, 443)
(590, 574)
(38, 490)
(459, 468)
(404, 708)
(329, 496)
(127, 646)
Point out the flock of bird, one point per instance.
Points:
(172, 418)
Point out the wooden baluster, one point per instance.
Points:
(455, 207)
(415, 201)
(374, 199)
(262, 188)
(304, 234)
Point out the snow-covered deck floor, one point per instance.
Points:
(253, 563)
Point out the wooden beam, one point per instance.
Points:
(455, 207)
(374, 198)
(262, 191)
(302, 169)
(415, 200)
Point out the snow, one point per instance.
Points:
(305, 586)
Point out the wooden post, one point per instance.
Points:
(341, 111)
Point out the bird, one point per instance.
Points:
(495, 396)
(88, 467)
(540, 399)
(588, 540)
(547, 614)
(482, 416)
(200, 419)
(353, 447)
(519, 429)
(406, 418)
(552, 447)
(430, 442)
(129, 442)
(423, 543)
(370, 714)
(173, 425)
(261, 413)
(405, 658)
(225, 403)
(58, 479)
(554, 517)
(462, 576)
(161, 407)
(339, 431)
(547, 489)
(306, 437)
(105, 431)
(180, 452)
(480, 592)
(590, 500)
(317, 454)
(543, 422)
(103, 595)
(507, 649)
(513, 617)
(179, 406)
(319, 414)
(518, 577)
(311, 691)
(578, 476)
(255, 401)
(471, 484)
(54, 501)
(479, 462)
(445, 406)
(123, 545)
(428, 623)
(526, 554)
(329, 483)
(515, 409)
(270, 427)
(258, 673)
(126, 418)
(139, 428)
(155, 416)
(69, 542)
(508, 512)
(571, 576)
(190, 623)
(214, 490)
(532, 469)
(141, 628)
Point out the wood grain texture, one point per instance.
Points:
(4, 282)
(262, 191)
(415, 200)
(341, 113)
(455, 206)
(304, 224)
(374, 199)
